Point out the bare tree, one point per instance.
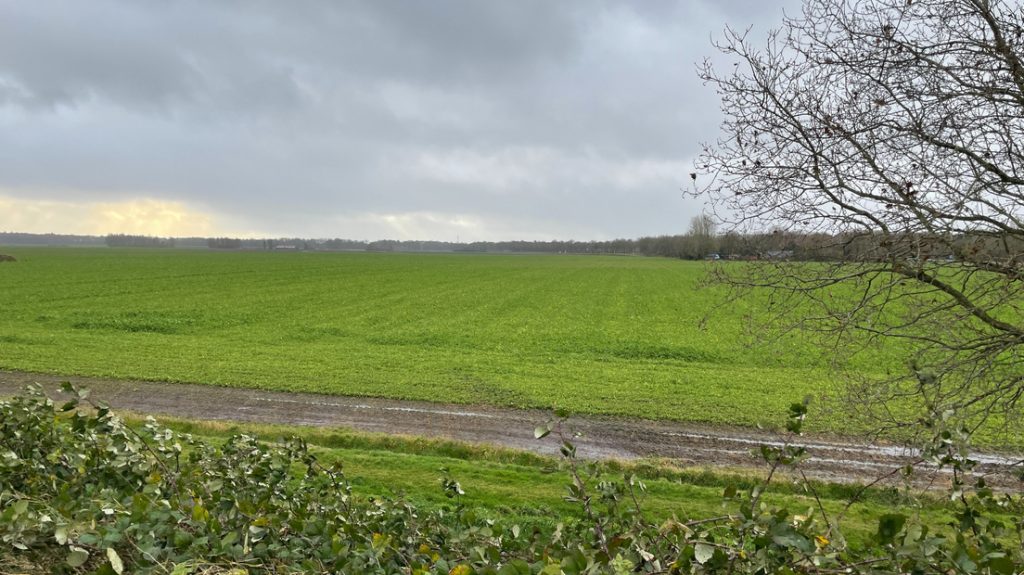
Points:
(895, 128)
(700, 238)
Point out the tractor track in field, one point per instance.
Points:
(830, 458)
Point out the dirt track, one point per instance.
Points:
(830, 459)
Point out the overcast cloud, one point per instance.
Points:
(377, 119)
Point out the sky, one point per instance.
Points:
(449, 120)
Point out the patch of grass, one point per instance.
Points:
(342, 438)
(136, 322)
(529, 488)
(17, 340)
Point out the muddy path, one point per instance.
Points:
(831, 459)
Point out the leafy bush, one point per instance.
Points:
(82, 492)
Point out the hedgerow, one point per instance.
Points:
(82, 492)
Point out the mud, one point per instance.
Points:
(831, 458)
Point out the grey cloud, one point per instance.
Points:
(64, 54)
(318, 111)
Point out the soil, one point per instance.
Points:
(689, 445)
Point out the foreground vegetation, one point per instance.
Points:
(84, 491)
(614, 335)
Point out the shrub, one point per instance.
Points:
(80, 490)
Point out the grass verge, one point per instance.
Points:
(529, 488)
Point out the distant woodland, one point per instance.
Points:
(771, 245)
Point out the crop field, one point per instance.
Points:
(628, 336)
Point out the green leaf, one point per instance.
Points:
(703, 553)
(61, 535)
(257, 532)
(889, 525)
(552, 569)
(77, 557)
(541, 432)
(115, 561)
(516, 567)
(1001, 565)
(790, 538)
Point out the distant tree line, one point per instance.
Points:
(701, 241)
(223, 243)
(24, 239)
(134, 241)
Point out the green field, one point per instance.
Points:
(610, 335)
